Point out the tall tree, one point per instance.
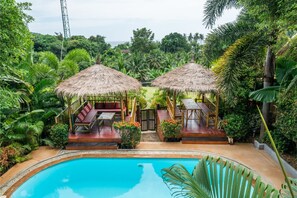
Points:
(143, 40)
(174, 42)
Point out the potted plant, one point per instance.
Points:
(233, 125)
(130, 134)
(171, 130)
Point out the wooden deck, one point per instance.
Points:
(106, 138)
(195, 132)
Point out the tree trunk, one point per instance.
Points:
(269, 68)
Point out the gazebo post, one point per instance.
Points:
(126, 103)
(122, 109)
(174, 104)
(217, 109)
(69, 114)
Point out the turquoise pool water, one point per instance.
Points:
(102, 177)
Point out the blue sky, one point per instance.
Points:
(116, 19)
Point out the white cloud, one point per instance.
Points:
(115, 19)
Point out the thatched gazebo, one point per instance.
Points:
(97, 80)
(191, 77)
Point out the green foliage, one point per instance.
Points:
(142, 41)
(234, 125)
(130, 134)
(59, 135)
(286, 117)
(171, 129)
(14, 34)
(80, 56)
(43, 43)
(175, 42)
(67, 68)
(214, 178)
(48, 58)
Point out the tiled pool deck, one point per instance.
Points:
(245, 154)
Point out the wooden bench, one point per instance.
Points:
(86, 119)
(207, 114)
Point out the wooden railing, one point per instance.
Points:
(62, 117)
(170, 107)
(133, 111)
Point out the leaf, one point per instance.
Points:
(267, 94)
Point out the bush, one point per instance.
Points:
(59, 135)
(7, 158)
(171, 129)
(283, 144)
(234, 126)
(130, 134)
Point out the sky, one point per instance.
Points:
(116, 19)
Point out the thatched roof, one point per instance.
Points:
(188, 78)
(97, 80)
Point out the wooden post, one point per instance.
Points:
(69, 114)
(122, 110)
(174, 104)
(217, 110)
(127, 103)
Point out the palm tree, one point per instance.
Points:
(273, 17)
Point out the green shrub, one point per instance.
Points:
(234, 125)
(171, 129)
(283, 144)
(130, 134)
(59, 135)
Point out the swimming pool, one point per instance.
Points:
(102, 177)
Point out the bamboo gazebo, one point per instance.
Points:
(97, 81)
(191, 77)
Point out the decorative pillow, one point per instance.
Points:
(90, 106)
(117, 105)
(81, 117)
(109, 105)
(99, 105)
(84, 112)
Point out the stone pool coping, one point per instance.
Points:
(9, 186)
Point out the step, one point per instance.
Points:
(92, 146)
(204, 140)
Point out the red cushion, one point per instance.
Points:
(99, 105)
(87, 109)
(117, 105)
(109, 105)
(81, 117)
(90, 106)
(84, 112)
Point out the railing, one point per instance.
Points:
(133, 111)
(62, 117)
(170, 107)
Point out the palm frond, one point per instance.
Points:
(267, 94)
(285, 192)
(214, 9)
(216, 178)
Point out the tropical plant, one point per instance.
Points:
(171, 129)
(273, 18)
(215, 178)
(58, 136)
(80, 56)
(234, 125)
(130, 134)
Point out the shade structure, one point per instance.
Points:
(191, 77)
(97, 80)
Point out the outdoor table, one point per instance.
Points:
(105, 117)
(191, 108)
